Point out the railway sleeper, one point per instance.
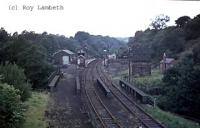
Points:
(109, 122)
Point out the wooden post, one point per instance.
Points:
(154, 102)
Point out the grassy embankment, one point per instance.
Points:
(146, 82)
(170, 120)
(149, 81)
(120, 75)
(34, 116)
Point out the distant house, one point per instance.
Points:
(140, 60)
(141, 68)
(123, 55)
(81, 52)
(166, 63)
(112, 56)
(63, 57)
(81, 61)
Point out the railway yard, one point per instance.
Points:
(108, 106)
(87, 97)
(100, 64)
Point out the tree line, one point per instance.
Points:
(25, 64)
(182, 42)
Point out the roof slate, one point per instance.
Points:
(66, 51)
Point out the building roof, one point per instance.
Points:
(81, 51)
(168, 60)
(66, 51)
(81, 56)
(112, 55)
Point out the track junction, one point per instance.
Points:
(111, 108)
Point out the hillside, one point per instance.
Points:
(175, 41)
(180, 84)
(96, 44)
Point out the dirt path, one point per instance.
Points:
(65, 105)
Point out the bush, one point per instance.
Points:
(14, 75)
(181, 86)
(35, 114)
(32, 57)
(11, 112)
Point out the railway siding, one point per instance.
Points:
(99, 105)
(103, 115)
(147, 120)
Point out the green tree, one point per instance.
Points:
(182, 21)
(32, 58)
(11, 112)
(4, 36)
(192, 28)
(14, 75)
(182, 90)
(160, 22)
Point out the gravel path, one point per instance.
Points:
(65, 105)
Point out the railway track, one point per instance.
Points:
(145, 119)
(103, 115)
(126, 119)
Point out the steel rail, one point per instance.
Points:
(146, 119)
(106, 120)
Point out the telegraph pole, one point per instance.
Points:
(164, 61)
(105, 56)
(129, 64)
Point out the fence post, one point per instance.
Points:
(154, 102)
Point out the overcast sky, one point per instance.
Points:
(117, 18)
